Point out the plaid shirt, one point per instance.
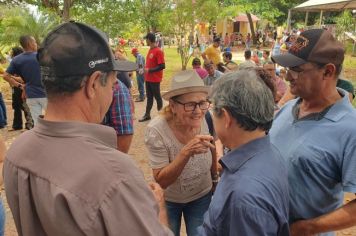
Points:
(119, 115)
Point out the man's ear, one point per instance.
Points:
(227, 118)
(92, 84)
(330, 71)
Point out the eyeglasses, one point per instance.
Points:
(191, 106)
(295, 73)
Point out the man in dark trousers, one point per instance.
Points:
(153, 75)
(26, 66)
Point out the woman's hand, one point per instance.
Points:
(198, 145)
(167, 175)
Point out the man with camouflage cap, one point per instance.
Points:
(316, 135)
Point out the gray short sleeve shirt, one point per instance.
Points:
(67, 178)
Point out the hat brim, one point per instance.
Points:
(181, 91)
(126, 66)
(288, 60)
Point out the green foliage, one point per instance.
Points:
(150, 12)
(345, 23)
(113, 17)
(185, 14)
(19, 21)
(206, 10)
(275, 11)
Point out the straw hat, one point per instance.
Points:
(187, 81)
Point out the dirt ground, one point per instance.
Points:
(137, 151)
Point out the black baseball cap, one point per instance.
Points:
(315, 45)
(75, 48)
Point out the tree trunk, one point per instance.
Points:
(66, 10)
(252, 28)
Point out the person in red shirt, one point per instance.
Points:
(153, 75)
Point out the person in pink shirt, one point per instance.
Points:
(196, 63)
(281, 86)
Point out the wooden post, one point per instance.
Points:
(306, 19)
(321, 18)
(224, 28)
(289, 20)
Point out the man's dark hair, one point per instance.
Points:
(151, 37)
(196, 62)
(207, 64)
(247, 54)
(217, 40)
(58, 86)
(221, 67)
(227, 55)
(16, 51)
(25, 40)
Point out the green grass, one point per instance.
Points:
(349, 62)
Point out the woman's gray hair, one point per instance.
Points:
(246, 97)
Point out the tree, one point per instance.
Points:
(151, 10)
(60, 7)
(113, 17)
(19, 21)
(345, 23)
(274, 10)
(184, 15)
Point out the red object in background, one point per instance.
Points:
(122, 42)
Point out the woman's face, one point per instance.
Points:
(189, 109)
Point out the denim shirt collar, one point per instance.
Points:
(238, 157)
(340, 108)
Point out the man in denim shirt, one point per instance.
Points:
(252, 195)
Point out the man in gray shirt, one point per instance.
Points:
(213, 74)
(65, 176)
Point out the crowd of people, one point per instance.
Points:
(235, 151)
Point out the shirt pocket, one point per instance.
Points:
(316, 162)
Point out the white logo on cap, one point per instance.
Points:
(92, 64)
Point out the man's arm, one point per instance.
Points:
(240, 220)
(342, 218)
(159, 196)
(124, 142)
(11, 80)
(157, 68)
(2, 157)
(120, 117)
(203, 55)
(131, 208)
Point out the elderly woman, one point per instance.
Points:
(180, 152)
